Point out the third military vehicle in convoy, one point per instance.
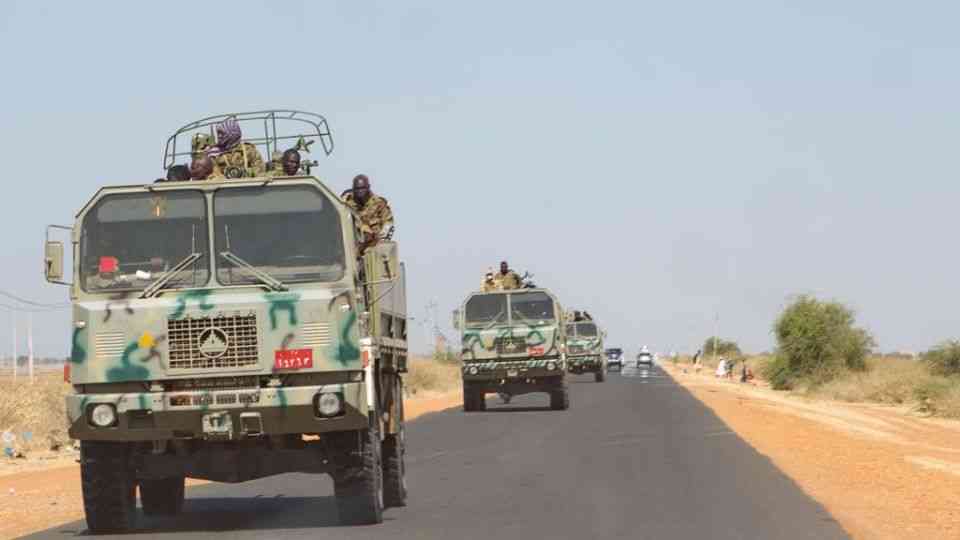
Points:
(585, 349)
(230, 330)
(512, 343)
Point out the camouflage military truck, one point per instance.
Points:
(512, 343)
(585, 352)
(230, 330)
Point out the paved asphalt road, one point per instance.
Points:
(635, 457)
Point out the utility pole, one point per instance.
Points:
(30, 344)
(13, 316)
(716, 335)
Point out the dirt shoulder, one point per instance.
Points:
(882, 472)
(44, 491)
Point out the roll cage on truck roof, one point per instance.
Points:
(293, 126)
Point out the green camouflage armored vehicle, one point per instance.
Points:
(585, 352)
(512, 343)
(230, 330)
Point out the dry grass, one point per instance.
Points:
(36, 409)
(431, 376)
(896, 381)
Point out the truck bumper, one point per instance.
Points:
(584, 364)
(217, 414)
(512, 371)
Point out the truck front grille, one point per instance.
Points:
(191, 346)
(511, 345)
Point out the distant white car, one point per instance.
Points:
(644, 358)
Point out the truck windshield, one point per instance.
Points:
(289, 233)
(531, 307)
(486, 309)
(130, 240)
(584, 329)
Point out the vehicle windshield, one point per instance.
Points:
(130, 240)
(583, 329)
(486, 309)
(614, 354)
(536, 307)
(291, 233)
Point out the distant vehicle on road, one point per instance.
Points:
(614, 358)
(645, 358)
(513, 343)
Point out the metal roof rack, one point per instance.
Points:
(312, 127)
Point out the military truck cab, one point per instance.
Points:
(512, 342)
(230, 330)
(585, 352)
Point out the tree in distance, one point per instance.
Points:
(816, 342)
(724, 348)
(944, 359)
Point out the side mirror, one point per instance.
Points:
(456, 319)
(53, 261)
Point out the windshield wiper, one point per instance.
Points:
(157, 285)
(268, 280)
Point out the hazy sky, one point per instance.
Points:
(653, 162)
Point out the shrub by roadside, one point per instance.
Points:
(430, 375)
(816, 343)
(35, 413)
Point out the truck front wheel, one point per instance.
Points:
(394, 467)
(560, 396)
(163, 497)
(359, 486)
(109, 487)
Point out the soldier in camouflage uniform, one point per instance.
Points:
(489, 284)
(232, 157)
(201, 168)
(286, 164)
(507, 278)
(374, 211)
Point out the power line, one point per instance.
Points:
(29, 302)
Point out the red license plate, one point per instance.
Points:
(293, 359)
(535, 351)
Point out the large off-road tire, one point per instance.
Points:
(474, 399)
(358, 487)
(163, 497)
(394, 466)
(109, 486)
(600, 376)
(560, 396)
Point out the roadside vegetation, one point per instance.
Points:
(438, 374)
(34, 414)
(822, 353)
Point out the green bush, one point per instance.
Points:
(817, 341)
(944, 359)
(724, 348)
(777, 372)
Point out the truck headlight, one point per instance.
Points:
(551, 366)
(329, 404)
(103, 415)
(473, 370)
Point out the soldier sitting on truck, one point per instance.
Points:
(373, 210)
(201, 168)
(507, 278)
(287, 164)
(489, 284)
(232, 157)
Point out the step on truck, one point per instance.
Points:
(230, 330)
(585, 352)
(512, 343)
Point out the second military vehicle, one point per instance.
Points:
(230, 330)
(512, 343)
(585, 349)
